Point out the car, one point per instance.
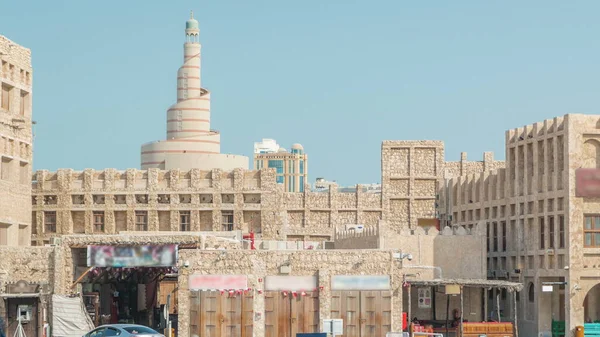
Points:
(123, 330)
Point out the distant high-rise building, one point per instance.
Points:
(292, 166)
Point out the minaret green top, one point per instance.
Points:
(191, 23)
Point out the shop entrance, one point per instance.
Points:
(127, 295)
(365, 313)
(221, 313)
(289, 313)
(127, 284)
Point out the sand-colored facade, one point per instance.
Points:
(537, 226)
(15, 143)
(518, 219)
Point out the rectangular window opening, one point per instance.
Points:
(184, 221)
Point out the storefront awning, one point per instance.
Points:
(472, 283)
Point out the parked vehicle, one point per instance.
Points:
(123, 330)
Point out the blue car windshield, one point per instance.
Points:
(139, 330)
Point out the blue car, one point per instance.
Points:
(123, 330)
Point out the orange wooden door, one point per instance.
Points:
(213, 314)
(285, 316)
(346, 305)
(365, 313)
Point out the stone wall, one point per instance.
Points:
(454, 252)
(368, 238)
(31, 264)
(259, 264)
(249, 200)
(464, 167)
(414, 174)
(410, 174)
(315, 215)
(15, 144)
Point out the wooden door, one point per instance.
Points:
(285, 316)
(213, 314)
(30, 327)
(375, 313)
(365, 313)
(346, 305)
(165, 289)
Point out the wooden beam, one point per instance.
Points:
(81, 277)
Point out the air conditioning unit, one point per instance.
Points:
(328, 245)
(356, 228)
(55, 241)
(24, 313)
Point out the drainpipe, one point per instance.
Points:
(439, 269)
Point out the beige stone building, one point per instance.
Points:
(15, 143)
(541, 222)
(212, 215)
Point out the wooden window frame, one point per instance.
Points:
(98, 225)
(226, 225)
(141, 226)
(49, 227)
(594, 220)
(185, 226)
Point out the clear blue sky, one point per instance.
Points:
(337, 76)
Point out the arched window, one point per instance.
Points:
(531, 293)
(591, 154)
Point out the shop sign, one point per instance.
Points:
(587, 182)
(132, 256)
(290, 283)
(424, 298)
(213, 282)
(360, 282)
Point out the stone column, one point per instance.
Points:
(258, 327)
(58, 271)
(334, 221)
(183, 302)
(174, 220)
(324, 282)
(396, 289)
(195, 220)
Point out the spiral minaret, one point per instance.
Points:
(190, 142)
